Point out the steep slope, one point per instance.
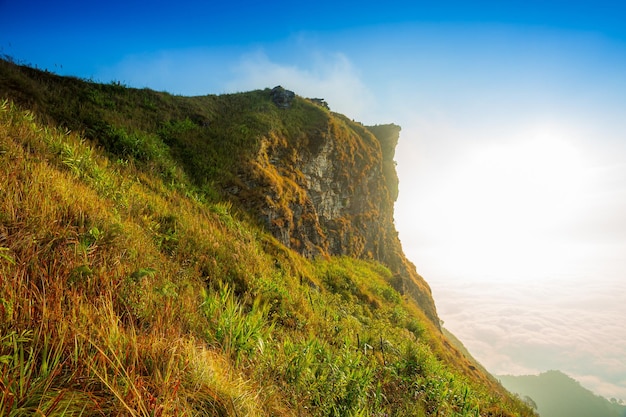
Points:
(318, 181)
(165, 255)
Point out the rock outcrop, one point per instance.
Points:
(330, 191)
(281, 97)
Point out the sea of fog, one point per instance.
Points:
(524, 325)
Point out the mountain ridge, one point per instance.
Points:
(137, 281)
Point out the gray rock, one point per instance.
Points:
(281, 97)
(320, 102)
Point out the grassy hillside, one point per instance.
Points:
(130, 286)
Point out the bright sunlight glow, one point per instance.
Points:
(493, 207)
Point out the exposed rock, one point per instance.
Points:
(281, 97)
(320, 102)
(388, 136)
(331, 191)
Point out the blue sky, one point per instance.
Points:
(86, 35)
(512, 157)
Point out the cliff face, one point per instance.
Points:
(331, 191)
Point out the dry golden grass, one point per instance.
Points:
(124, 294)
(97, 316)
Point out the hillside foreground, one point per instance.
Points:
(131, 284)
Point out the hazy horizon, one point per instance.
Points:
(512, 155)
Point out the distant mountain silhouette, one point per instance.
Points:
(558, 395)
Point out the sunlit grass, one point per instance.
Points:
(125, 289)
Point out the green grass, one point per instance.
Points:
(129, 287)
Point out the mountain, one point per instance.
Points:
(216, 255)
(557, 395)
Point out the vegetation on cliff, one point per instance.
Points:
(134, 280)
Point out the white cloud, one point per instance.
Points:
(199, 71)
(528, 333)
(330, 76)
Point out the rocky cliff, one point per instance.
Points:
(330, 190)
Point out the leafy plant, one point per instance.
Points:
(238, 331)
(32, 372)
